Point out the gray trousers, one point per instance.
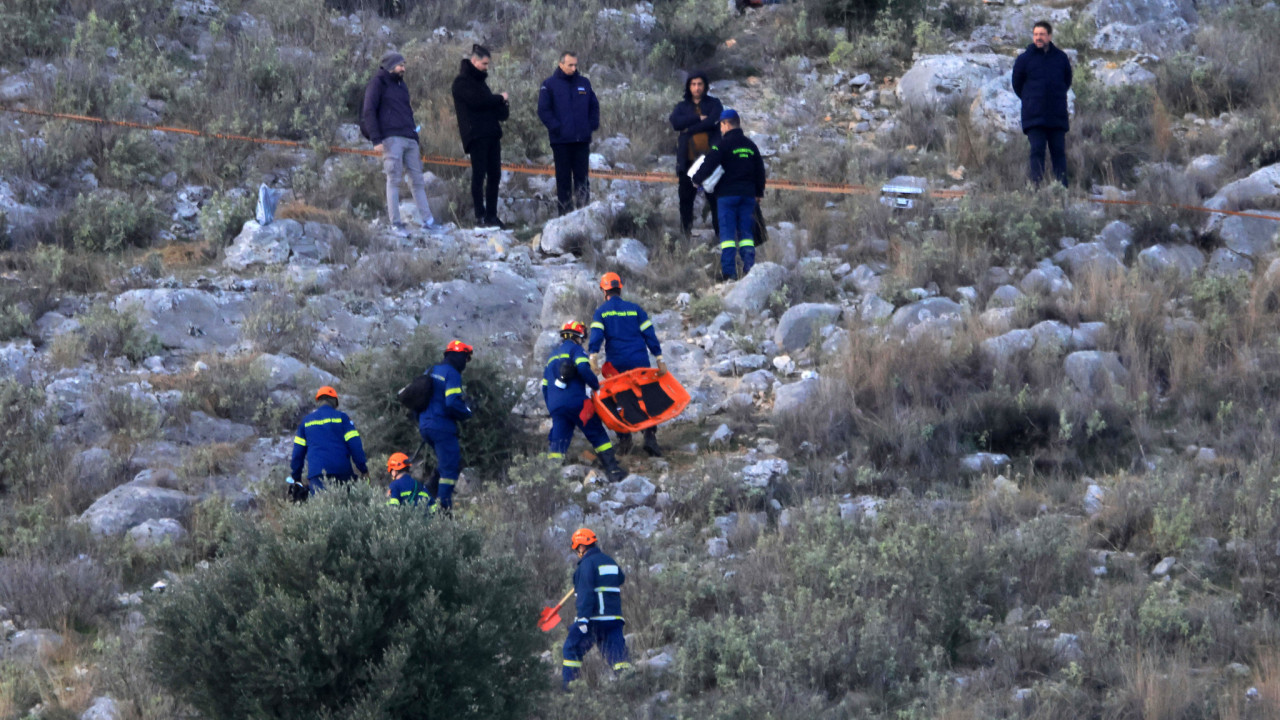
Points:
(398, 156)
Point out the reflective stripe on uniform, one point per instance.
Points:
(608, 589)
(618, 313)
(573, 663)
(747, 243)
(582, 360)
(608, 570)
(299, 441)
(544, 382)
(448, 482)
(645, 325)
(607, 617)
(726, 244)
(621, 665)
(452, 391)
(350, 435)
(604, 447)
(325, 421)
(393, 501)
(597, 326)
(556, 456)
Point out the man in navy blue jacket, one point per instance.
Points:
(327, 442)
(568, 107)
(697, 119)
(565, 380)
(438, 424)
(387, 121)
(1041, 78)
(597, 582)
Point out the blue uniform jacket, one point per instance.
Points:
(575, 391)
(568, 107)
(629, 333)
(387, 111)
(744, 173)
(447, 406)
(598, 584)
(405, 490)
(1041, 79)
(328, 443)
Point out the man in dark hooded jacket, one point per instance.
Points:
(386, 119)
(481, 113)
(697, 119)
(1041, 79)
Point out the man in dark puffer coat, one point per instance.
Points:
(481, 113)
(1041, 78)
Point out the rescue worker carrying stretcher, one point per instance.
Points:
(597, 582)
(438, 424)
(328, 443)
(565, 380)
(627, 333)
(404, 489)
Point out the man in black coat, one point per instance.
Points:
(568, 107)
(387, 121)
(481, 113)
(1041, 78)
(697, 119)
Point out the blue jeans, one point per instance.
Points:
(1056, 140)
(737, 219)
(605, 633)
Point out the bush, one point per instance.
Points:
(25, 430)
(223, 215)
(275, 324)
(235, 390)
(76, 593)
(489, 439)
(130, 417)
(110, 222)
(109, 334)
(352, 609)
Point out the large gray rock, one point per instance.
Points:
(1206, 171)
(632, 255)
(185, 319)
(262, 244)
(931, 311)
(1117, 237)
(751, 293)
(1226, 263)
(17, 88)
(153, 533)
(1005, 296)
(103, 708)
(1130, 72)
(800, 323)
(1003, 349)
(1138, 12)
(634, 490)
(201, 429)
(15, 361)
(1052, 338)
(32, 645)
(501, 310)
(1087, 259)
(1181, 261)
(1158, 26)
(563, 298)
(793, 398)
(1093, 372)
(1046, 279)
(1253, 237)
(134, 503)
(1250, 192)
(996, 110)
(286, 372)
(936, 81)
(589, 225)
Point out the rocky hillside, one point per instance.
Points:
(1008, 455)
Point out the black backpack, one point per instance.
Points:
(417, 394)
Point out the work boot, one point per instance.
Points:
(614, 471)
(651, 443)
(623, 446)
(493, 221)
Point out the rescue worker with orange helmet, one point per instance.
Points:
(404, 488)
(328, 443)
(626, 332)
(438, 424)
(565, 380)
(597, 582)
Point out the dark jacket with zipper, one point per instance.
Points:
(744, 174)
(568, 107)
(387, 111)
(686, 121)
(480, 111)
(1041, 79)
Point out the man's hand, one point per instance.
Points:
(378, 148)
(595, 363)
(505, 97)
(662, 367)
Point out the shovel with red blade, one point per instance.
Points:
(550, 617)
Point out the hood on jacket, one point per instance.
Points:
(391, 60)
(472, 71)
(689, 81)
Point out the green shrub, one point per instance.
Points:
(275, 324)
(28, 26)
(236, 390)
(705, 309)
(691, 30)
(223, 215)
(126, 415)
(110, 222)
(109, 334)
(25, 430)
(489, 439)
(352, 609)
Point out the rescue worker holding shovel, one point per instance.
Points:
(565, 381)
(597, 581)
(626, 331)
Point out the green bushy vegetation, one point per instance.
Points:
(350, 608)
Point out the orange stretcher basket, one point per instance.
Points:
(638, 399)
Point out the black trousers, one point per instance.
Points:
(688, 192)
(486, 173)
(1056, 140)
(573, 160)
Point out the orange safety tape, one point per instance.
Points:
(530, 169)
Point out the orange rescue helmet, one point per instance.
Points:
(459, 346)
(398, 461)
(582, 537)
(326, 391)
(610, 281)
(574, 328)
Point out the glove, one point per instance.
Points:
(662, 367)
(595, 363)
(581, 625)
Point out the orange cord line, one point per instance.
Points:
(530, 169)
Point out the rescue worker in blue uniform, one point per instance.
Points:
(627, 333)
(328, 444)
(438, 424)
(565, 380)
(405, 488)
(597, 582)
